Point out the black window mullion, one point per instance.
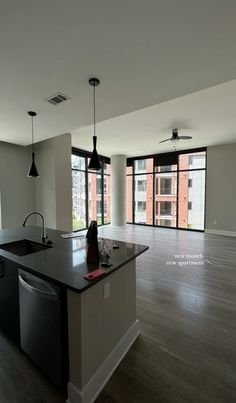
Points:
(107, 179)
(102, 200)
(133, 194)
(153, 197)
(192, 169)
(177, 197)
(86, 192)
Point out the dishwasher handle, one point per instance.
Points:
(50, 293)
(1, 270)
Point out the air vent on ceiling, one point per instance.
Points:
(57, 98)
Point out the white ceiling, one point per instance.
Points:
(208, 116)
(145, 53)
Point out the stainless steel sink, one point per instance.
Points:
(23, 247)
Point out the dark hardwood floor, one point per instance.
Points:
(187, 349)
(20, 381)
(186, 352)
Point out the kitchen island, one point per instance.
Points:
(99, 315)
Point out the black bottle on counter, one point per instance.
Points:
(92, 240)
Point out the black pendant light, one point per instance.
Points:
(33, 172)
(94, 161)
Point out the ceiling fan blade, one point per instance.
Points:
(185, 137)
(163, 141)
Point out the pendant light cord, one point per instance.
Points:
(32, 126)
(94, 112)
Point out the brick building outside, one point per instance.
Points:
(163, 185)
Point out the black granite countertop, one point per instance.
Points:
(65, 263)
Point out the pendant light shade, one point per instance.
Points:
(33, 172)
(94, 161)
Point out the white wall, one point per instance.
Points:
(16, 189)
(54, 186)
(118, 189)
(221, 189)
(94, 333)
(45, 185)
(63, 180)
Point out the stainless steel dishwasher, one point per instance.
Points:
(41, 324)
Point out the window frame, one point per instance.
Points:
(104, 160)
(166, 159)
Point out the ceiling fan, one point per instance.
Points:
(175, 136)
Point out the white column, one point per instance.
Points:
(118, 189)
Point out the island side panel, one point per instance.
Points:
(97, 325)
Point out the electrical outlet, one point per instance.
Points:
(106, 290)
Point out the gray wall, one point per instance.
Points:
(17, 190)
(54, 186)
(51, 193)
(221, 189)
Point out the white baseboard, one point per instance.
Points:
(100, 378)
(220, 232)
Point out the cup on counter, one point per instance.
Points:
(104, 252)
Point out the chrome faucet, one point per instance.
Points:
(44, 235)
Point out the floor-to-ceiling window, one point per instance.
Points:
(191, 190)
(129, 192)
(167, 190)
(143, 189)
(165, 197)
(90, 191)
(78, 192)
(106, 193)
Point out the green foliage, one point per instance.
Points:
(77, 223)
(99, 220)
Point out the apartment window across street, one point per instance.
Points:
(141, 185)
(99, 207)
(141, 206)
(173, 187)
(166, 184)
(105, 208)
(165, 208)
(105, 184)
(99, 185)
(140, 165)
(166, 168)
(90, 191)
